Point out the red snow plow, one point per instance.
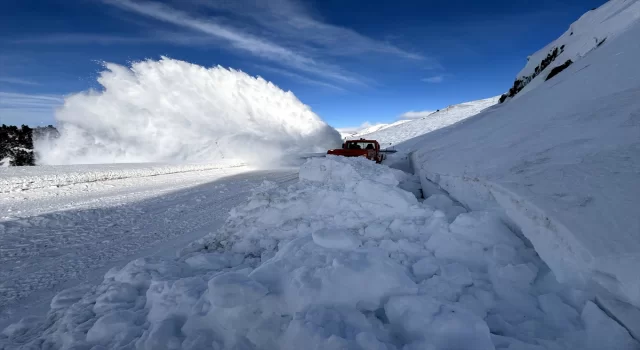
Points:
(361, 148)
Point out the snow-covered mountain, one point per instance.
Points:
(561, 159)
(589, 32)
(351, 133)
(398, 133)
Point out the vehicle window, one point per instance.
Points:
(361, 145)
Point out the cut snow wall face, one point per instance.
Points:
(562, 161)
(170, 110)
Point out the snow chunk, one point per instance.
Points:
(557, 312)
(457, 273)
(442, 326)
(116, 296)
(329, 328)
(603, 332)
(446, 205)
(166, 299)
(485, 228)
(115, 328)
(69, 296)
(140, 272)
(233, 289)
(520, 276)
(309, 274)
(213, 261)
(342, 170)
(333, 239)
(425, 268)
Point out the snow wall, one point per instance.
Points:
(561, 160)
(170, 110)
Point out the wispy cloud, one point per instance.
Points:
(434, 80)
(17, 81)
(290, 20)
(415, 115)
(238, 39)
(106, 39)
(299, 78)
(16, 108)
(78, 39)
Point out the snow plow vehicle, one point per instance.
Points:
(361, 148)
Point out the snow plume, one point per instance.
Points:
(171, 111)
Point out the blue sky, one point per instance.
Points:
(351, 61)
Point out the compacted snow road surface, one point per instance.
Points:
(53, 238)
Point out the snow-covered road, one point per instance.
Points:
(338, 255)
(55, 237)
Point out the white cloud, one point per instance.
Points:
(29, 109)
(105, 39)
(434, 79)
(17, 81)
(238, 39)
(292, 21)
(414, 115)
(300, 78)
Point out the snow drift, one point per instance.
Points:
(170, 110)
(343, 259)
(562, 158)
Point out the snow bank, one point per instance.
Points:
(28, 178)
(170, 110)
(405, 136)
(343, 259)
(562, 160)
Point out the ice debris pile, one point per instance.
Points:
(344, 259)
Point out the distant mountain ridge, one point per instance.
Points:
(394, 134)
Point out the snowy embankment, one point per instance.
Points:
(343, 259)
(174, 111)
(28, 178)
(404, 136)
(561, 160)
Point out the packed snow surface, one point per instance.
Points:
(54, 237)
(562, 159)
(404, 135)
(343, 259)
(170, 110)
(28, 178)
